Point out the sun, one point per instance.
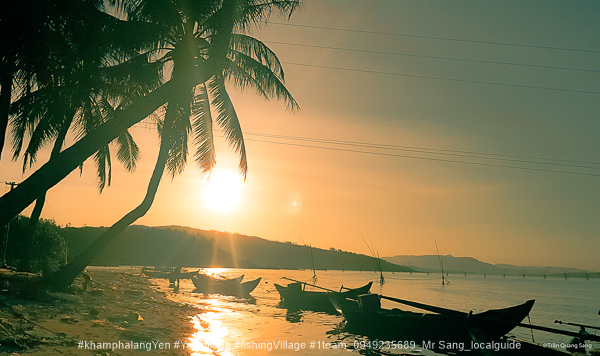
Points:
(222, 191)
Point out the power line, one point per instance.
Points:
(428, 150)
(433, 57)
(436, 151)
(469, 154)
(443, 78)
(429, 158)
(436, 38)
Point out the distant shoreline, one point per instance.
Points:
(470, 265)
(567, 275)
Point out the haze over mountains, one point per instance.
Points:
(470, 265)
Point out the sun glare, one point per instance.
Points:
(222, 191)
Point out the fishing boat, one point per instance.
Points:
(294, 296)
(231, 286)
(445, 329)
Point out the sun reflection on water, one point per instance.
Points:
(210, 334)
(214, 272)
(213, 334)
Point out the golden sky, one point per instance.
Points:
(388, 85)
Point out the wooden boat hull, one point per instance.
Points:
(248, 287)
(294, 298)
(234, 286)
(432, 329)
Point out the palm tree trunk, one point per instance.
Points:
(63, 278)
(58, 167)
(29, 236)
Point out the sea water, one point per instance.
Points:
(232, 326)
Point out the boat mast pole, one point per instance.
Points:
(312, 260)
(375, 255)
(444, 281)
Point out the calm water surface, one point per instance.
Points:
(231, 326)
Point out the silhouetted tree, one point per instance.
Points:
(197, 34)
(242, 14)
(91, 73)
(49, 247)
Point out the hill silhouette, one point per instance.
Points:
(185, 246)
(256, 252)
(470, 265)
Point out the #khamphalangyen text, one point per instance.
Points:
(198, 345)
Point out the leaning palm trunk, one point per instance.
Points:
(63, 278)
(29, 237)
(57, 168)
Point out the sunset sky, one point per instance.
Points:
(439, 83)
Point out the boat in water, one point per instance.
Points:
(294, 296)
(225, 286)
(448, 330)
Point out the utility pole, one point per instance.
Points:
(6, 231)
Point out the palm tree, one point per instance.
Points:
(192, 39)
(71, 98)
(142, 106)
(58, 118)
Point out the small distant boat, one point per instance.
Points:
(170, 274)
(232, 286)
(296, 297)
(365, 316)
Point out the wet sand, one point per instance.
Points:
(118, 313)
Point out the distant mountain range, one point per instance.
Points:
(189, 247)
(470, 265)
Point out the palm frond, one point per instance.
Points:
(128, 152)
(22, 124)
(103, 167)
(27, 112)
(257, 50)
(258, 12)
(202, 128)
(124, 81)
(42, 134)
(228, 120)
(154, 11)
(246, 72)
(57, 113)
(178, 115)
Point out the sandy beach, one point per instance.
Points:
(117, 313)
